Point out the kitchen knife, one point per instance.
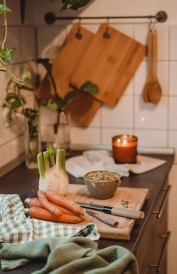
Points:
(102, 218)
(122, 212)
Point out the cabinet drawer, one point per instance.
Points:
(151, 253)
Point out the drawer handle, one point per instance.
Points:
(159, 213)
(163, 251)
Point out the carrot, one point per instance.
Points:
(54, 209)
(60, 200)
(33, 202)
(36, 203)
(44, 214)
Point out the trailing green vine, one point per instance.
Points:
(6, 54)
(57, 102)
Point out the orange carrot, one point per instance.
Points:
(36, 203)
(54, 209)
(44, 214)
(33, 202)
(60, 200)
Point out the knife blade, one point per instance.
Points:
(102, 218)
(122, 212)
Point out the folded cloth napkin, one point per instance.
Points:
(102, 160)
(69, 255)
(16, 228)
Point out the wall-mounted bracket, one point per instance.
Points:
(50, 17)
(22, 10)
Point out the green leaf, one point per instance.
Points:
(6, 54)
(14, 100)
(3, 9)
(90, 88)
(25, 76)
(50, 104)
(74, 4)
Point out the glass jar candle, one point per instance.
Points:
(124, 148)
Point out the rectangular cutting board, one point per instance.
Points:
(135, 196)
(109, 63)
(83, 107)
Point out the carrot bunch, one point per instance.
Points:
(52, 206)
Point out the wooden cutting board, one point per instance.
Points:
(82, 108)
(135, 196)
(109, 63)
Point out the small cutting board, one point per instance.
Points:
(135, 196)
(83, 107)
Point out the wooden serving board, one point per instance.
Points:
(83, 107)
(135, 196)
(109, 63)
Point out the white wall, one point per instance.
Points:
(157, 129)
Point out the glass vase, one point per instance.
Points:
(62, 131)
(32, 144)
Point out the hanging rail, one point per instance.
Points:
(161, 17)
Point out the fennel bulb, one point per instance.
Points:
(53, 176)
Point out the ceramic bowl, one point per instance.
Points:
(102, 184)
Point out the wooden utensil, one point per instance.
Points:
(150, 72)
(109, 63)
(154, 91)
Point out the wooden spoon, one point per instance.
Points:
(150, 72)
(154, 91)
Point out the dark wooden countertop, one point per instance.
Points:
(24, 182)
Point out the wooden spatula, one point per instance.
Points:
(155, 91)
(150, 71)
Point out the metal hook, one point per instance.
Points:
(154, 24)
(78, 34)
(150, 23)
(106, 34)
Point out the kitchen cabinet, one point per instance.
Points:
(148, 236)
(151, 252)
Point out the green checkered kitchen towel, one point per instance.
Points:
(15, 227)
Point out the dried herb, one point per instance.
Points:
(125, 203)
(103, 175)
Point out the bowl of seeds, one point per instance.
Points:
(102, 184)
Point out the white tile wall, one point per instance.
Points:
(150, 116)
(131, 114)
(120, 116)
(91, 136)
(172, 78)
(151, 138)
(173, 39)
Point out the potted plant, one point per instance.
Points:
(14, 102)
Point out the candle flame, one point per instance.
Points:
(124, 142)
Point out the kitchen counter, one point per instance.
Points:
(24, 182)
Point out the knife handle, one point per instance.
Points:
(128, 213)
(106, 220)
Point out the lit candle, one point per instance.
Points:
(124, 148)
